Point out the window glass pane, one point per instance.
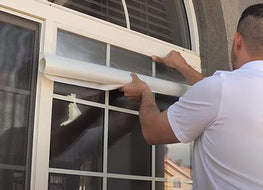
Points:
(127, 151)
(163, 19)
(12, 180)
(121, 184)
(81, 48)
(80, 92)
(165, 73)
(16, 50)
(109, 10)
(164, 101)
(73, 182)
(117, 99)
(14, 109)
(173, 161)
(176, 184)
(78, 144)
(130, 61)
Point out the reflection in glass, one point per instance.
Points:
(13, 128)
(81, 48)
(16, 50)
(117, 99)
(12, 180)
(81, 92)
(121, 184)
(79, 144)
(165, 73)
(73, 182)
(162, 19)
(173, 161)
(109, 10)
(130, 61)
(127, 151)
(176, 184)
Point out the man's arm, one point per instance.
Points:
(174, 60)
(155, 126)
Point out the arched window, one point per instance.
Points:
(163, 19)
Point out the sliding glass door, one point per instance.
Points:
(19, 42)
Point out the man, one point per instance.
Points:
(223, 113)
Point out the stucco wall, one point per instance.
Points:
(212, 34)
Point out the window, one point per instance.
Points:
(164, 19)
(18, 66)
(105, 138)
(90, 138)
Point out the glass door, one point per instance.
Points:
(19, 46)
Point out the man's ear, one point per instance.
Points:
(238, 40)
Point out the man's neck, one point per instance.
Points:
(247, 60)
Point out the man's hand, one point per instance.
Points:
(172, 60)
(175, 60)
(155, 126)
(135, 89)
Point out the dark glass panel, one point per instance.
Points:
(164, 101)
(73, 182)
(80, 48)
(127, 151)
(130, 61)
(80, 92)
(77, 145)
(163, 19)
(166, 73)
(12, 180)
(108, 10)
(122, 184)
(17, 54)
(117, 99)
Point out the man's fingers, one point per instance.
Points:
(134, 77)
(157, 59)
(122, 89)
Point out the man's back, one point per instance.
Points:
(229, 153)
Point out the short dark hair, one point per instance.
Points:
(250, 26)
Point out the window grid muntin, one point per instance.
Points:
(114, 175)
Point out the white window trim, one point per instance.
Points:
(190, 11)
(51, 17)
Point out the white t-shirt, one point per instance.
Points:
(224, 115)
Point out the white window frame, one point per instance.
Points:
(52, 17)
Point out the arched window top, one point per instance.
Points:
(163, 19)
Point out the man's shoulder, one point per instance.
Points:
(211, 81)
(208, 87)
